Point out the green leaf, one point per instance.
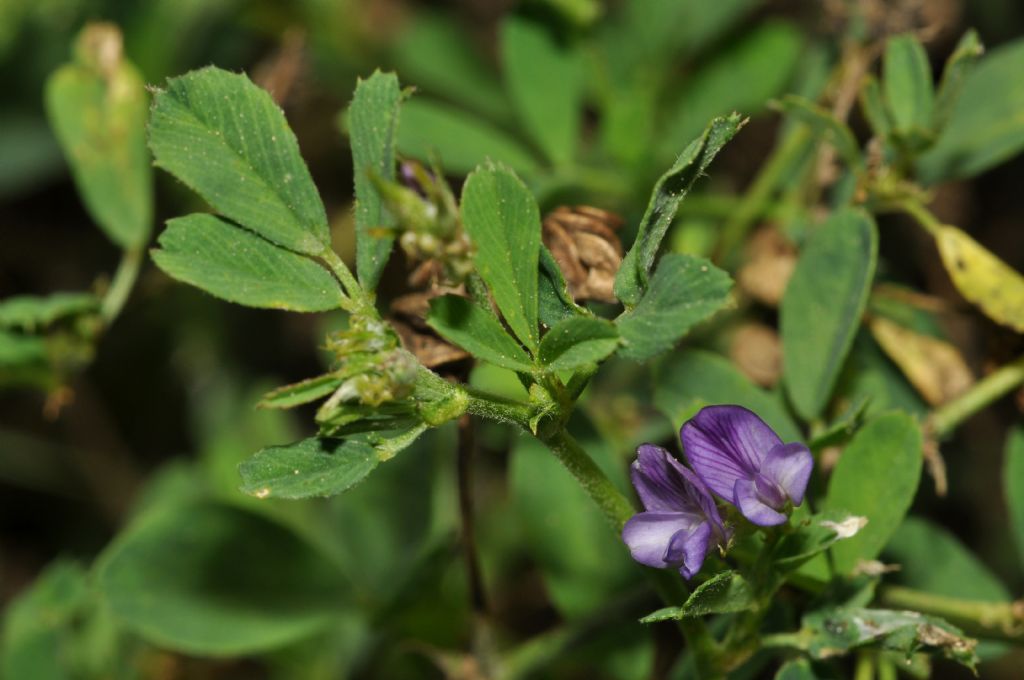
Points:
(1013, 478)
(473, 329)
(238, 266)
(961, 63)
(34, 312)
(873, 106)
(38, 625)
(763, 59)
(303, 392)
(832, 631)
(545, 82)
(97, 108)
(689, 380)
(226, 139)
(554, 301)
(210, 580)
(668, 193)
(583, 563)
(876, 477)
(577, 342)
(724, 593)
(684, 291)
(436, 53)
(823, 304)
(813, 536)
(372, 127)
(907, 83)
(459, 139)
(502, 219)
(312, 467)
(978, 137)
(822, 123)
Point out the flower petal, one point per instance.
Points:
(789, 466)
(726, 443)
(656, 479)
(752, 507)
(688, 549)
(648, 535)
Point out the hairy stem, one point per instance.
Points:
(994, 386)
(121, 285)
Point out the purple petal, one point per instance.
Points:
(789, 466)
(688, 549)
(725, 444)
(655, 476)
(753, 506)
(649, 534)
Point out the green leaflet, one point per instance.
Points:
(976, 137)
(33, 312)
(502, 219)
(684, 291)
(822, 306)
(458, 138)
(233, 264)
(724, 593)
(38, 623)
(303, 392)
(211, 580)
(907, 83)
(373, 126)
(98, 112)
(576, 342)
(668, 193)
(885, 457)
(473, 329)
(226, 138)
(435, 53)
(545, 82)
(959, 65)
(763, 59)
(312, 467)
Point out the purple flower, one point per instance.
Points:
(742, 460)
(680, 523)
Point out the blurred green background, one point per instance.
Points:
(165, 408)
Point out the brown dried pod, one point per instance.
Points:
(583, 241)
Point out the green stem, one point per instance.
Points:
(616, 508)
(994, 386)
(924, 217)
(494, 407)
(357, 302)
(757, 198)
(865, 669)
(121, 285)
(989, 620)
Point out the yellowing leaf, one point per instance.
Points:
(934, 367)
(983, 278)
